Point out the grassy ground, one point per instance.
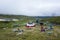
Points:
(33, 34)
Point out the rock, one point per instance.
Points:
(19, 33)
(14, 30)
(4, 28)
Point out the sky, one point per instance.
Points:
(30, 7)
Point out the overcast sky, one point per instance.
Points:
(30, 7)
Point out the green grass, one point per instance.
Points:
(33, 34)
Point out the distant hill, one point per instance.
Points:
(18, 16)
(11, 16)
(55, 19)
(52, 19)
(42, 16)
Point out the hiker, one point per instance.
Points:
(51, 26)
(42, 27)
(18, 29)
(47, 26)
(37, 21)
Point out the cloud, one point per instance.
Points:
(30, 7)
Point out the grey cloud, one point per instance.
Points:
(30, 7)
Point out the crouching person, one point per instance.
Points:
(42, 27)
